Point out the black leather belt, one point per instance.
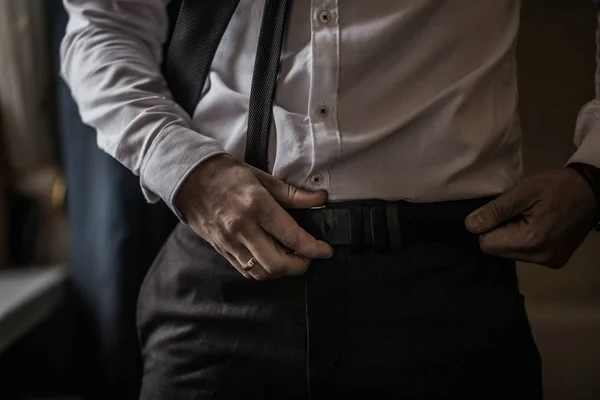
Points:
(389, 225)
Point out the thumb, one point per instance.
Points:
(290, 196)
(497, 212)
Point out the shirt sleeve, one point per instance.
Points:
(111, 57)
(587, 131)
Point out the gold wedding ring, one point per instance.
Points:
(249, 265)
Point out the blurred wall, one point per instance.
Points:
(32, 228)
(556, 76)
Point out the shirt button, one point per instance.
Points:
(325, 17)
(322, 111)
(316, 179)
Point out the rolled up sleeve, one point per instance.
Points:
(587, 131)
(111, 57)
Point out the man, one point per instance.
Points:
(400, 118)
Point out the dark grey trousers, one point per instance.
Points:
(434, 321)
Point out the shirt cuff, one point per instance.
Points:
(587, 136)
(174, 154)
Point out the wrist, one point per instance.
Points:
(591, 175)
(197, 183)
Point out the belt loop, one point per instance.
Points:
(357, 233)
(393, 225)
(379, 227)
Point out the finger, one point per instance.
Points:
(286, 230)
(241, 256)
(235, 264)
(290, 196)
(541, 258)
(501, 210)
(276, 260)
(516, 238)
(530, 258)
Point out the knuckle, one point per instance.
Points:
(255, 192)
(249, 205)
(262, 277)
(221, 240)
(304, 268)
(292, 191)
(218, 248)
(290, 239)
(484, 244)
(496, 208)
(275, 269)
(534, 238)
(233, 226)
(530, 237)
(306, 262)
(247, 276)
(300, 267)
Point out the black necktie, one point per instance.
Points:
(196, 36)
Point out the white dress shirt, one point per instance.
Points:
(378, 99)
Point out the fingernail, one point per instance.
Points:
(475, 221)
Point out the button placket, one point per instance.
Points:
(324, 90)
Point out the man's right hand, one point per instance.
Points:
(239, 210)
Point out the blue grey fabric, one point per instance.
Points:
(114, 236)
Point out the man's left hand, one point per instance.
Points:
(542, 220)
